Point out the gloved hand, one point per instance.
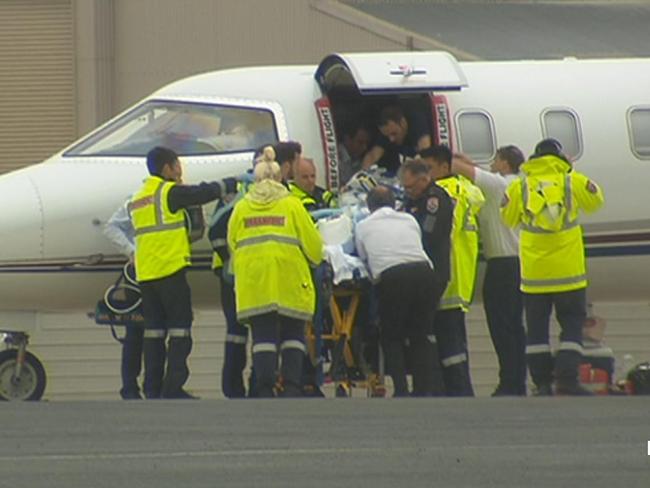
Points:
(230, 185)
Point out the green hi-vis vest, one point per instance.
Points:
(162, 245)
(463, 261)
(545, 203)
(272, 245)
(321, 198)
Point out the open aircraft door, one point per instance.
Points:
(384, 75)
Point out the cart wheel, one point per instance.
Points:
(343, 391)
(29, 386)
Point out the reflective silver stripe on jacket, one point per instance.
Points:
(432, 339)
(453, 301)
(264, 347)
(250, 241)
(180, 332)
(453, 360)
(598, 352)
(219, 242)
(538, 230)
(158, 216)
(568, 201)
(293, 344)
(570, 346)
(466, 220)
(158, 228)
(236, 339)
(538, 349)
(274, 307)
(155, 333)
(556, 281)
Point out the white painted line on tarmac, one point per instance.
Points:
(109, 456)
(180, 454)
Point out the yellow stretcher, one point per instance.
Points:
(343, 356)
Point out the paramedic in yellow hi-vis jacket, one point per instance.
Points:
(449, 322)
(273, 241)
(162, 252)
(545, 203)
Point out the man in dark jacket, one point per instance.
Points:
(432, 208)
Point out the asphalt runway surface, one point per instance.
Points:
(480, 442)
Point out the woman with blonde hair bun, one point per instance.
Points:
(273, 242)
(266, 168)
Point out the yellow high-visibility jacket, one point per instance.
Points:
(272, 241)
(463, 261)
(546, 202)
(162, 245)
(320, 199)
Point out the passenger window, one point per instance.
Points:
(476, 135)
(190, 129)
(638, 120)
(562, 124)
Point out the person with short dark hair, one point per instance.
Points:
(545, 203)
(402, 135)
(391, 244)
(502, 298)
(287, 154)
(162, 254)
(355, 138)
(450, 319)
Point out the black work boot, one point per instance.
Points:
(131, 362)
(177, 370)
(567, 363)
(422, 366)
(234, 363)
(154, 366)
(394, 351)
(540, 366)
(291, 371)
(437, 378)
(265, 364)
(183, 395)
(544, 389)
(457, 380)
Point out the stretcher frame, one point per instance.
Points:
(343, 322)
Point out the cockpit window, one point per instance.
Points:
(190, 129)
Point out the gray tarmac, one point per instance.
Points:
(481, 442)
(524, 29)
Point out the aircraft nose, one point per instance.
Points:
(21, 225)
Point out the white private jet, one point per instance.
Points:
(54, 254)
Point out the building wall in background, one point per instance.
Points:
(158, 41)
(66, 66)
(37, 80)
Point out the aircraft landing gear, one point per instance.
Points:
(22, 376)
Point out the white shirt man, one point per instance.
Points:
(389, 238)
(502, 299)
(391, 243)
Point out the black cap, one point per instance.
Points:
(548, 147)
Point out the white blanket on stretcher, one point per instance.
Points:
(345, 266)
